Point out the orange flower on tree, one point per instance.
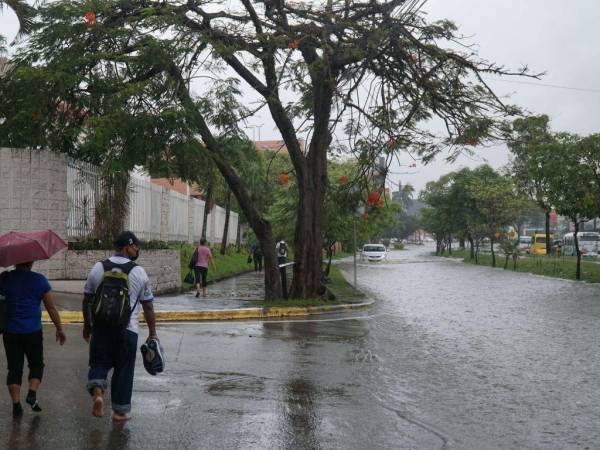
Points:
(381, 203)
(90, 19)
(373, 198)
(284, 179)
(343, 180)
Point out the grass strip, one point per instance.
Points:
(551, 266)
(344, 293)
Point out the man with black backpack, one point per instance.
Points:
(113, 292)
(281, 249)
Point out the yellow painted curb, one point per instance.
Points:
(228, 314)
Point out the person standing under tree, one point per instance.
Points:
(257, 256)
(114, 289)
(24, 291)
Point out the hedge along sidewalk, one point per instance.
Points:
(348, 299)
(550, 266)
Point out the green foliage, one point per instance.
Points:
(99, 244)
(471, 204)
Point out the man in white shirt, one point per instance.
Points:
(281, 249)
(115, 347)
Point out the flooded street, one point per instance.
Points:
(451, 356)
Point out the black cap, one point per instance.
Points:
(126, 238)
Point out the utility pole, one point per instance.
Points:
(354, 247)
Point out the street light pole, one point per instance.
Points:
(354, 247)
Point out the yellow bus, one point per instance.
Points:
(538, 246)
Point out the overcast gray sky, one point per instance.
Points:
(553, 36)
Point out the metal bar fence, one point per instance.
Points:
(199, 206)
(83, 192)
(145, 211)
(178, 216)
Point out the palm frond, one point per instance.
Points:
(24, 12)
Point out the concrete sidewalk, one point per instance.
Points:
(228, 299)
(231, 293)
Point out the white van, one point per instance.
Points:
(589, 244)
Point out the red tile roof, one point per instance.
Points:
(276, 146)
(177, 185)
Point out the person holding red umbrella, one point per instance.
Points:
(24, 291)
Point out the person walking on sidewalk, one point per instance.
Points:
(24, 291)
(113, 292)
(200, 260)
(257, 256)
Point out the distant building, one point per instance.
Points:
(4, 65)
(277, 146)
(180, 186)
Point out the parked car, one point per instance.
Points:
(538, 247)
(525, 243)
(373, 252)
(557, 246)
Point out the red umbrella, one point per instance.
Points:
(17, 247)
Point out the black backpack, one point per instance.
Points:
(111, 307)
(282, 249)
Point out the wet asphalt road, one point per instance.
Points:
(452, 356)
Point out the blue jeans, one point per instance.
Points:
(113, 349)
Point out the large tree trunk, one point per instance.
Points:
(548, 243)
(112, 208)
(226, 225)
(472, 246)
(577, 252)
(238, 236)
(309, 225)
(207, 208)
(311, 172)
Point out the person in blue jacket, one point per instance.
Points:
(25, 291)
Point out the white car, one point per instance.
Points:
(525, 243)
(373, 252)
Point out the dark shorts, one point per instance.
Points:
(201, 274)
(19, 346)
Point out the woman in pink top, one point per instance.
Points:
(203, 256)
